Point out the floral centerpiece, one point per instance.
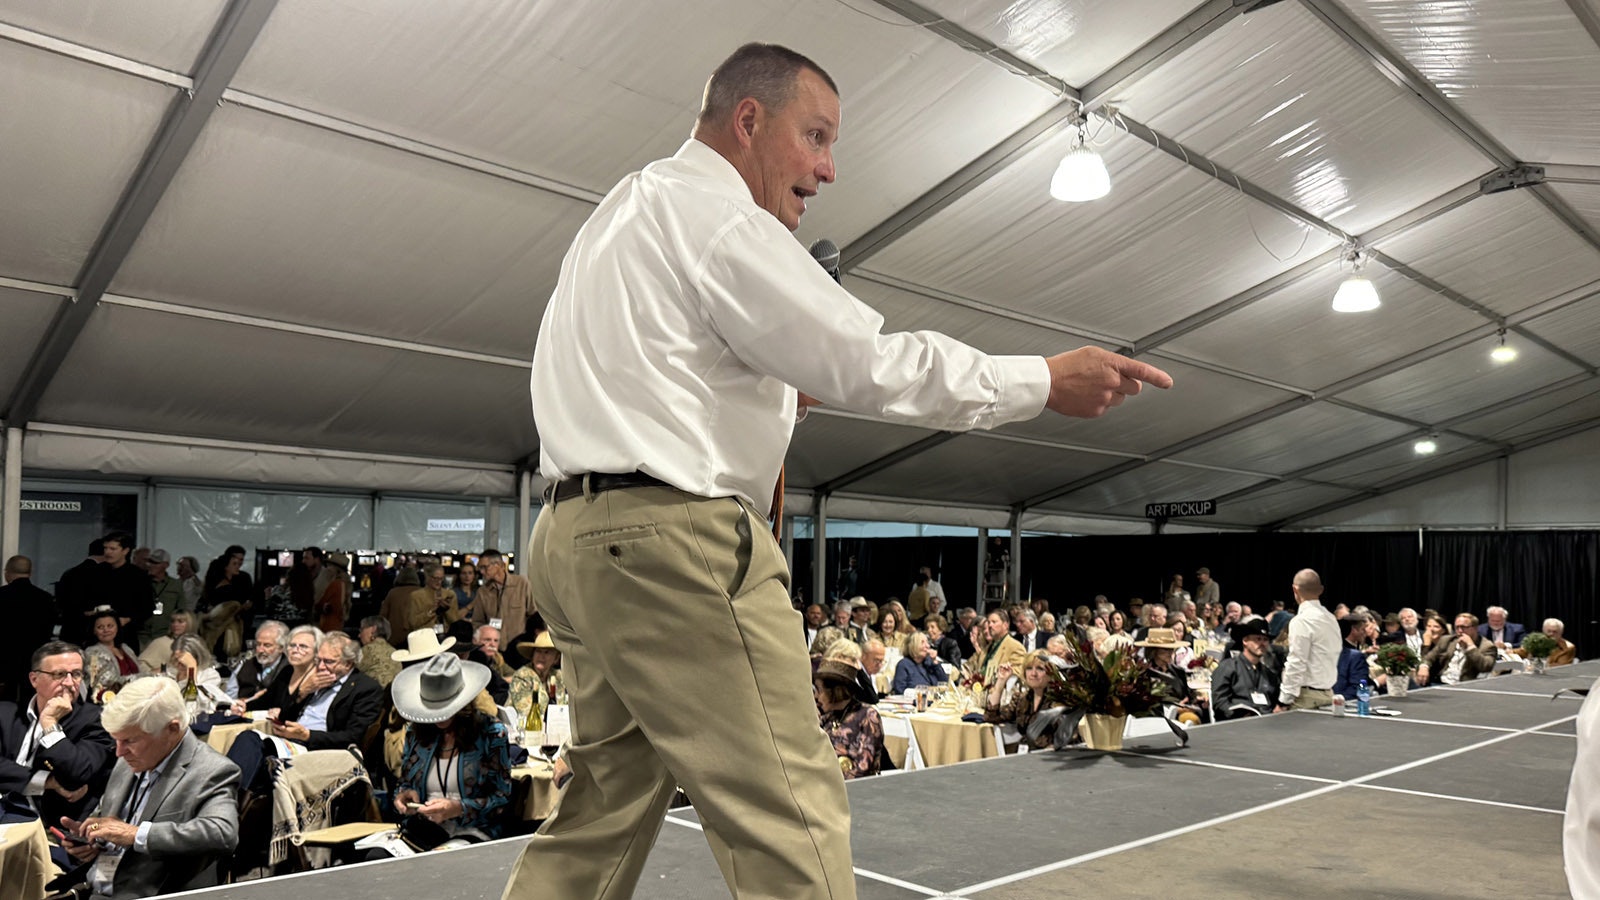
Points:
(1398, 661)
(1537, 647)
(1105, 682)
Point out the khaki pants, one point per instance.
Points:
(678, 646)
(1311, 698)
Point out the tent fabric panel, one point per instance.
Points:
(178, 375)
(49, 451)
(1075, 40)
(1385, 465)
(1525, 70)
(1557, 409)
(1089, 265)
(825, 446)
(1554, 484)
(1295, 440)
(991, 332)
(1280, 99)
(73, 136)
(878, 509)
(1584, 199)
(1505, 251)
(1127, 494)
(1466, 498)
(350, 235)
(1278, 501)
(1575, 329)
(1458, 382)
(169, 34)
(1292, 336)
(963, 470)
(26, 317)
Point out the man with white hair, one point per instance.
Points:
(169, 812)
(341, 703)
(1505, 635)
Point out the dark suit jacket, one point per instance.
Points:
(193, 813)
(357, 705)
(1233, 681)
(1514, 634)
(250, 677)
(1042, 637)
(28, 613)
(83, 757)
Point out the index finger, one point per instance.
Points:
(1132, 368)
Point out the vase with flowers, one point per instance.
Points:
(1104, 683)
(1538, 646)
(1398, 661)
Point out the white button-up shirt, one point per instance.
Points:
(1314, 644)
(685, 318)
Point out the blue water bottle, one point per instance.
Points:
(1363, 698)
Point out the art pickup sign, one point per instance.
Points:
(1180, 509)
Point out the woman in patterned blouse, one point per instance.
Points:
(457, 769)
(1033, 696)
(854, 728)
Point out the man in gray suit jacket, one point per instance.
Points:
(170, 811)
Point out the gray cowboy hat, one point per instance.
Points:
(432, 693)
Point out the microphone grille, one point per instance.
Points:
(826, 252)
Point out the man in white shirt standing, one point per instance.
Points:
(686, 332)
(1314, 643)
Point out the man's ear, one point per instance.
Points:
(747, 117)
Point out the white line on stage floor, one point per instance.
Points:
(1396, 790)
(1265, 807)
(1403, 720)
(864, 873)
(1463, 690)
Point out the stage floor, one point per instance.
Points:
(1461, 796)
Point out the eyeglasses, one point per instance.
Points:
(330, 663)
(75, 675)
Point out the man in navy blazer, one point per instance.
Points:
(1506, 635)
(1352, 659)
(53, 753)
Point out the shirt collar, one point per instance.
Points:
(706, 159)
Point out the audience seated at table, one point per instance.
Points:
(1503, 634)
(110, 664)
(1027, 698)
(942, 643)
(1565, 652)
(1352, 662)
(190, 655)
(54, 755)
(827, 635)
(848, 718)
(995, 647)
(377, 654)
(456, 764)
(335, 704)
(294, 683)
(539, 683)
(1246, 683)
(919, 667)
(159, 650)
(263, 665)
(1462, 657)
(889, 632)
(850, 653)
(1159, 645)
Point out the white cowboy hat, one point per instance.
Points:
(431, 693)
(422, 644)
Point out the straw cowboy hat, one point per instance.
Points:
(421, 644)
(432, 693)
(542, 642)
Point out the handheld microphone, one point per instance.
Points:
(826, 253)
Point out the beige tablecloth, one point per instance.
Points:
(542, 794)
(942, 738)
(24, 861)
(222, 737)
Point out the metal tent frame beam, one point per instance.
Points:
(235, 33)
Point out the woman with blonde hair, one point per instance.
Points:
(1035, 695)
(158, 651)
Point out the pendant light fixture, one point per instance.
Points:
(1356, 293)
(1082, 175)
(1502, 353)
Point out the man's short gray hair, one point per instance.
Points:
(1026, 613)
(477, 633)
(1560, 628)
(349, 650)
(1497, 609)
(1152, 607)
(379, 625)
(148, 704)
(763, 72)
(842, 604)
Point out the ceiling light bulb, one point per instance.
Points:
(1502, 353)
(1425, 446)
(1356, 294)
(1081, 176)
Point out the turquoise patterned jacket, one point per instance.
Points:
(483, 776)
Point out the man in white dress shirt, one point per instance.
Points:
(1314, 644)
(666, 384)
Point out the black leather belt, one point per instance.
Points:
(599, 482)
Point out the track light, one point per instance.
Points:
(1425, 446)
(1502, 353)
(1356, 293)
(1082, 175)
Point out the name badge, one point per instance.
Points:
(1259, 698)
(495, 624)
(438, 628)
(104, 870)
(157, 610)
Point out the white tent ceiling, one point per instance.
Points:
(331, 227)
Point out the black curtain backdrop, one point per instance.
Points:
(1533, 574)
